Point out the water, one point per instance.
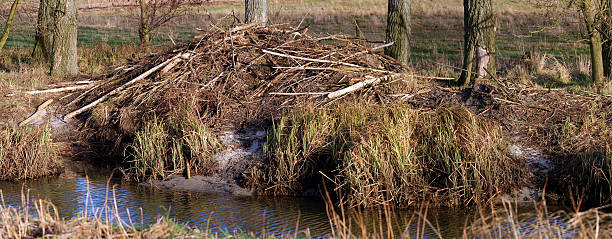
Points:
(218, 213)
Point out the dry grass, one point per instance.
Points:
(26, 153)
(505, 222)
(161, 149)
(390, 155)
(17, 222)
(584, 147)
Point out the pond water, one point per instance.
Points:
(218, 213)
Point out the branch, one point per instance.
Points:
(120, 88)
(321, 61)
(36, 114)
(369, 81)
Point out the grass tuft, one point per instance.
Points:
(167, 147)
(584, 146)
(380, 155)
(26, 153)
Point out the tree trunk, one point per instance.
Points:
(256, 11)
(144, 31)
(606, 27)
(398, 30)
(44, 36)
(479, 37)
(9, 24)
(64, 48)
(597, 64)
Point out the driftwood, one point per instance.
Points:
(120, 88)
(39, 110)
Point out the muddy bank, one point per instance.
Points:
(242, 151)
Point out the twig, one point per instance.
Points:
(526, 105)
(299, 93)
(83, 82)
(409, 96)
(36, 114)
(432, 77)
(321, 61)
(120, 88)
(383, 46)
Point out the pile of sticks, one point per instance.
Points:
(245, 73)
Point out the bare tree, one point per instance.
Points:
(256, 11)
(479, 40)
(597, 17)
(398, 30)
(156, 13)
(8, 25)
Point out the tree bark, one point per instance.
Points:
(9, 24)
(144, 31)
(64, 48)
(597, 63)
(256, 11)
(44, 36)
(398, 30)
(479, 34)
(606, 27)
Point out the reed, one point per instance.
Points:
(163, 148)
(506, 221)
(584, 164)
(390, 155)
(27, 152)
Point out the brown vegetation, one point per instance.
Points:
(391, 155)
(26, 153)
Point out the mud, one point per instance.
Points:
(242, 150)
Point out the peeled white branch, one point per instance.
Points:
(369, 81)
(36, 114)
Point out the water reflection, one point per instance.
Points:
(214, 212)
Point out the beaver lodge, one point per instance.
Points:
(337, 113)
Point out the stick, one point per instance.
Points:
(299, 93)
(320, 61)
(120, 88)
(431, 77)
(37, 113)
(383, 46)
(54, 90)
(170, 65)
(83, 82)
(370, 81)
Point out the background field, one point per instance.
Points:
(437, 26)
